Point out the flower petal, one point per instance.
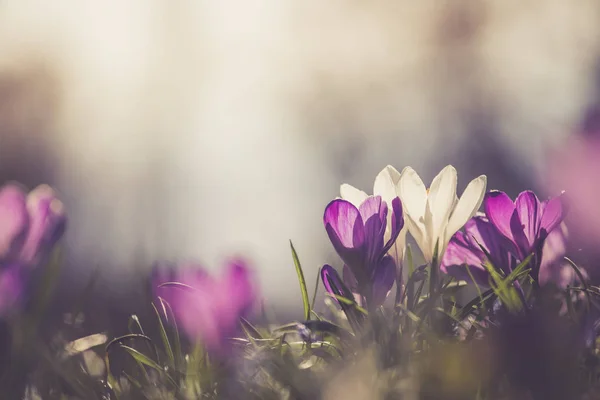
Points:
(352, 194)
(333, 283)
(239, 286)
(499, 209)
(383, 280)
(528, 208)
(47, 223)
(396, 223)
(413, 194)
(467, 205)
(14, 220)
(374, 214)
(552, 214)
(386, 184)
(442, 195)
(481, 232)
(352, 284)
(459, 256)
(344, 225)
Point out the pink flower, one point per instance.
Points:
(206, 307)
(30, 225)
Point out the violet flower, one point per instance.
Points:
(207, 308)
(357, 234)
(30, 225)
(465, 251)
(526, 222)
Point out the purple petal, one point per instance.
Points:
(519, 237)
(47, 223)
(345, 229)
(349, 279)
(374, 214)
(499, 209)
(352, 284)
(14, 220)
(461, 252)
(529, 211)
(397, 222)
(552, 214)
(239, 285)
(333, 283)
(383, 280)
(498, 246)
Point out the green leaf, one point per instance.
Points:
(164, 337)
(302, 282)
(147, 361)
(144, 359)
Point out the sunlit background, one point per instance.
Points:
(208, 128)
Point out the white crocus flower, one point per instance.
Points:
(434, 215)
(386, 186)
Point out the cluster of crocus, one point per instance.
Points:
(508, 233)
(368, 232)
(30, 225)
(208, 308)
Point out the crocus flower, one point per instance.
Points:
(357, 234)
(465, 251)
(30, 225)
(208, 308)
(526, 222)
(434, 215)
(386, 186)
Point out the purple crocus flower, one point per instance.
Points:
(30, 225)
(357, 234)
(526, 222)
(208, 308)
(465, 251)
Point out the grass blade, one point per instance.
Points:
(302, 282)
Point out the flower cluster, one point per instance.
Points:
(507, 234)
(371, 241)
(208, 308)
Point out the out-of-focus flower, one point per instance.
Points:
(208, 308)
(357, 234)
(30, 225)
(386, 186)
(526, 222)
(465, 251)
(574, 168)
(434, 215)
(553, 266)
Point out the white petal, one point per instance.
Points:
(442, 195)
(352, 194)
(467, 205)
(386, 184)
(413, 194)
(417, 231)
(397, 250)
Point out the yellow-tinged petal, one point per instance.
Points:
(467, 205)
(352, 194)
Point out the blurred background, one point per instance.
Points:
(203, 129)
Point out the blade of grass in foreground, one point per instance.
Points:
(302, 282)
